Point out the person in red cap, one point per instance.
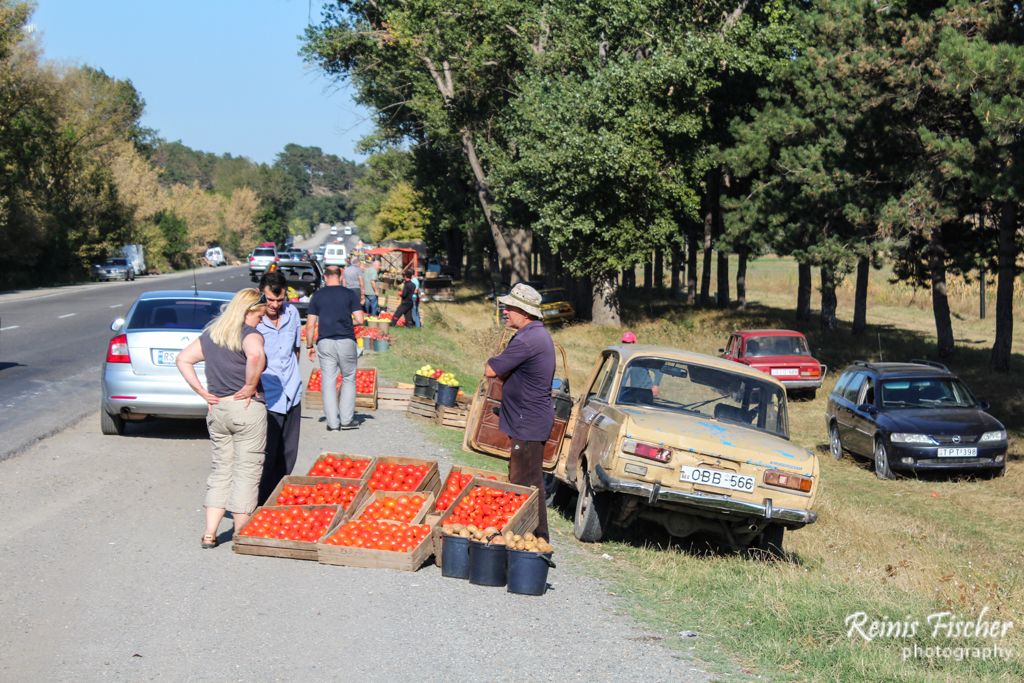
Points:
(637, 376)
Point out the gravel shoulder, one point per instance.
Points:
(104, 578)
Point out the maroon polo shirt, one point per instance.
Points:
(527, 365)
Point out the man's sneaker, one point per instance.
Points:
(350, 425)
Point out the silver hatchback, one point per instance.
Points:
(140, 378)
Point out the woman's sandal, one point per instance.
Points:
(209, 541)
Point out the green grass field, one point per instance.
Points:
(896, 550)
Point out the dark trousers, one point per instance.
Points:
(282, 449)
(404, 308)
(526, 468)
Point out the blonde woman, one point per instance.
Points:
(232, 349)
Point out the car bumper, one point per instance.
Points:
(725, 506)
(155, 395)
(803, 383)
(926, 459)
(107, 277)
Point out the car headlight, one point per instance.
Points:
(998, 435)
(900, 437)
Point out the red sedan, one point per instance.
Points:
(783, 354)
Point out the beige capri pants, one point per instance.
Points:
(239, 437)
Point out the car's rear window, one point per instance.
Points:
(264, 251)
(174, 314)
(553, 295)
(777, 346)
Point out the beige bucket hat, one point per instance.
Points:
(525, 298)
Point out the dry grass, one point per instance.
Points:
(897, 549)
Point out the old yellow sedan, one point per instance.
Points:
(692, 442)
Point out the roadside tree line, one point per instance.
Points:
(596, 137)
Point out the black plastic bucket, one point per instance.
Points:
(433, 387)
(446, 395)
(422, 387)
(487, 564)
(528, 572)
(455, 557)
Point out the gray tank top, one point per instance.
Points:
(225, 369)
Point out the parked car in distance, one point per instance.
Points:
(259, 259)
(215, 257)
(334, 229)
(318, 255)
(913, 417)
(304, 278)
(348, 229)
(135, 253)
(139, 378)
(112, 269)
(783, 354)
(335, 254)
(555, 306)
(691, 442)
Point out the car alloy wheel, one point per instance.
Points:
(882, 469)
(835, 444)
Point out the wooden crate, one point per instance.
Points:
(392, 302)
(350, 456)
(297, 480)
(374, 559)
(422, 407)
(525, 519)
(275, 547)
(431, 480)
(428, 504)
(393, 398)
(314, 399)
(454, 417)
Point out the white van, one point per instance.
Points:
(215, 256)
(335, 255)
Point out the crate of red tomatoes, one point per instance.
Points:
(287, 531)
(377, 544)
(458, 479)
(298, 490)
(395, 473)
(342, 465)
(396, 506)
(486, 503)
(366, 388)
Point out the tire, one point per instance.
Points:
(590, 523)
(882, 469)
(810, 394)
(835, 443)
(769, 541)
(111, 425)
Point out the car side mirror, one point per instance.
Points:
(721, 350)
(984, 405)
(866, 408)
(117, 325)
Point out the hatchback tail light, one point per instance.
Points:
(117, 350)
(646, 450)
(251, 259)
(810, 371)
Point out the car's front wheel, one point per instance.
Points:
(835, 443)
(882, 469)
(111, 425)
(591, 512)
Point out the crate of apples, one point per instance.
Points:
(340, 465)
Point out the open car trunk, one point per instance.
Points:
(484, 436)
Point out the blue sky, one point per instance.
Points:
(220, 75)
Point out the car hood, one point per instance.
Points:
(713, 437)
(941, 421)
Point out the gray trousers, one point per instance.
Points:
(338, 355)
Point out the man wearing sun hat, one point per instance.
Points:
(639, 375)
(526, 366)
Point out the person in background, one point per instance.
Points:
(638, 376)
(352, 277)
(405, 307)
(232, 349)
(417, 292)
(335, 307)
(282, 383)
(371, 291)
(526, 366)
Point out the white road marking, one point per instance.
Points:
(117, 306)
(9, 327)
(207, 283)
(220, 280)
(66, 315)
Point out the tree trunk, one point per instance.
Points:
(828, 298)
(691, 268)
(741, 277)
(711, 189)
(456, 247)
(723, 280)
(803, 292)
(648, 275)
(1000, 358)
(659, 270)
(605, 309)
(860, 300)
(677, 262)
(940, 301)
